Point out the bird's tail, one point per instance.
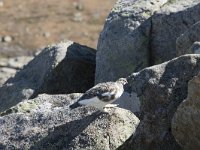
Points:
(75, 105)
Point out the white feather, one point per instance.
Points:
(93, 102)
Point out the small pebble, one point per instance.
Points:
(78, 17)
(46, 34)
(7, 39)
(78, 6)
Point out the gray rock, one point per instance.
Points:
(160, 89)
(62, 68)
(142, 33)
(124, 41)
(185, 123)
(47, 123)
(185, 41)
(174, 18)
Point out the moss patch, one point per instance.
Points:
(23, 107)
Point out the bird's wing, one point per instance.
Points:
(104, 91)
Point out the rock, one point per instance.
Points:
(47, 123)
(185, 123)
(124, 41)
(195, 48)
(78, 6)
(46, 34)
(185, 41)
(61, 68)
(160, 89)
(7, 39)
(173, 19)
(78, 17)
(142, 33)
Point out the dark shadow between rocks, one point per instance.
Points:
(74, 74)
(64, 135)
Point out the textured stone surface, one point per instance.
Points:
(173, 19)
(186, 122)
(160, 89)
(142, 33)
(185, 41)
(47, 123)
(60, 68)
(123, 46)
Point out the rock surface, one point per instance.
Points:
(142, 33)
(61, 68)
(185, 124)
(47, 123)
(173, 19)
(160, 89)
(186, 40)
(124, 41)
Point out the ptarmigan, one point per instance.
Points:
(102, 95)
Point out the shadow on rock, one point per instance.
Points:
(64, 136)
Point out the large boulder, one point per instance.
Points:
(46, 122)
(187, 39)
(61, 68)
(186, 122)
(160, 89)
(142, 33)
(123, 45)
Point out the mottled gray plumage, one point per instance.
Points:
(101, 94)
(100, 89)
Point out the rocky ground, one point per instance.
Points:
(28, 25)
(153, 45)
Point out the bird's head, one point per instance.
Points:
(126, 86)
(123, 81)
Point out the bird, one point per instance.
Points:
(102, 95)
